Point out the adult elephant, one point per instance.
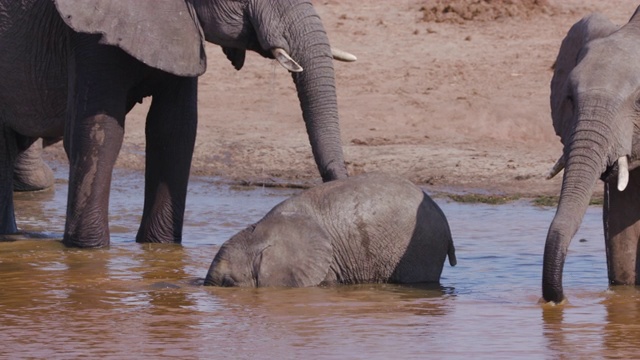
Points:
(595, 106)
(76, 67)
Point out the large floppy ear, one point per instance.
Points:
(297, 254)
(162, 34)
(635, 13)
(589, 28)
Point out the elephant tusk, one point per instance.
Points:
(285, 60)
(559, 165)
(341, 55)
(623, 173)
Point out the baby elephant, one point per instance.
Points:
(372, 228)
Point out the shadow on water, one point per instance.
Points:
(133, 300)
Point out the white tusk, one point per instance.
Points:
(285, 60)
(341, 55)
(623, 173)
(556, 168)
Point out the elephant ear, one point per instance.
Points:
(298, 252)
(591, 27)
(162, 34)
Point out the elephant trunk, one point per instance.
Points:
(309, 46)
(218, 273)
(586, 159)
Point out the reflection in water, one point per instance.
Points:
(606, 323)
(347, 319)
(622, 322)
(574, 328)
(133, 300)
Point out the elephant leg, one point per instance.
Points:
(31, 173)
(621, 217)
(8, 153)
(170, 138)
(99, 78)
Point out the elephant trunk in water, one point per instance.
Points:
(586, 159)
(317, 91)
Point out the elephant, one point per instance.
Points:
(74, 69)
(370, 228)
(595, 108)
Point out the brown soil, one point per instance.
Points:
(454, 97)
(458, 11)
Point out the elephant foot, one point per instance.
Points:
(30, 172)
(34, 181)
(37, 179)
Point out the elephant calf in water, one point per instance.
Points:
(372, 228)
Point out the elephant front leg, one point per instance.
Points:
(99, 79)
(94, 147)
(8, 151)
(170, 138)
(621, 217)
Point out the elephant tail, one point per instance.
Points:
(452, 253)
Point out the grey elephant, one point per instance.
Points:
(595, 107)
(75, 68)
(368, 228)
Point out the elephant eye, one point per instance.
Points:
(570, 102)
(227, 281)
(570, 98)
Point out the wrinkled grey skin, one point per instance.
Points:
(372, 228)
(75, 68)
(30, 172)
(595, 106)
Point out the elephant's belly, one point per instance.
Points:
(33, 90)
(40, 126)
(34, 112)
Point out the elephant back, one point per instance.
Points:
(383, 228)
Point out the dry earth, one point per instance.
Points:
(454, 95)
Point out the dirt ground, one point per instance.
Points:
(453, 95)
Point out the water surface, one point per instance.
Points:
(133, 300)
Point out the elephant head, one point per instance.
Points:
(595, 107)
(169, 35)
(265, 255)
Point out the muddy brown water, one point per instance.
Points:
(133, 300)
